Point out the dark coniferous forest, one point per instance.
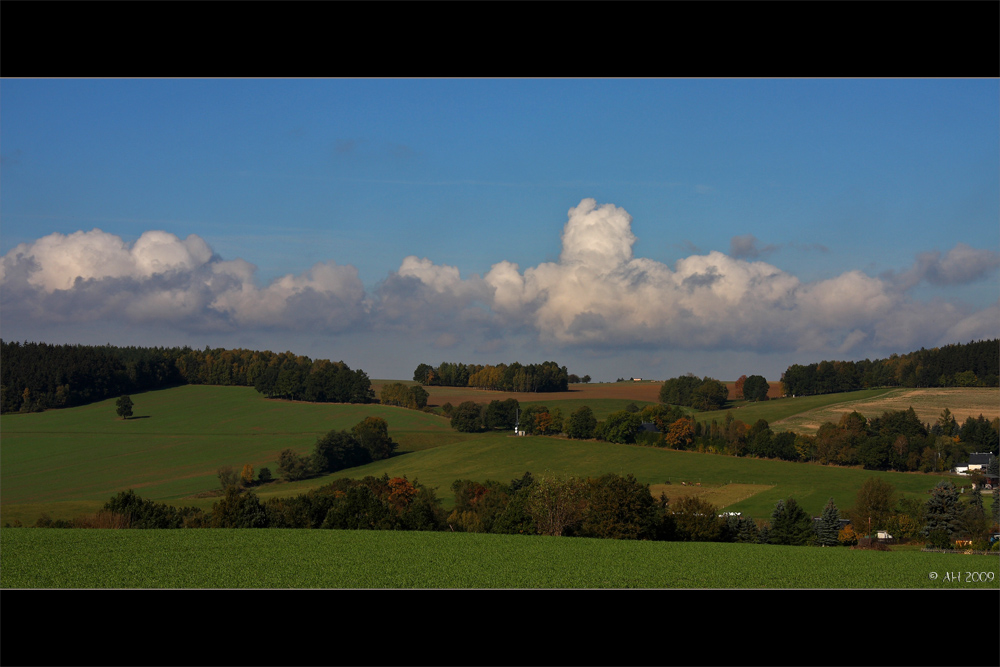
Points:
(974, 364)
(37, 376)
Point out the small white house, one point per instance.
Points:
(977, 461)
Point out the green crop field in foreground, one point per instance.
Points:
(53, 558)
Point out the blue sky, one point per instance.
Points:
(620, 227)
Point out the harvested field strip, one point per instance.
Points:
(632, 391)
(927, 403)
(776, 410)
(774, 390)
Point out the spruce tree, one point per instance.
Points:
(790, 524)
(746, 530)
(942, 514)
(976, 501)
(829, 526)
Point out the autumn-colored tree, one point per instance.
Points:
(738, 389)
(680, 434)
(846, 536)
(401, 492)
(397, 393)
(246, 475)
(543, 423)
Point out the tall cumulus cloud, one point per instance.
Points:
(597, 295)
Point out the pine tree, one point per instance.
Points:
(829, 526)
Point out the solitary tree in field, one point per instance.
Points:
(124, 405)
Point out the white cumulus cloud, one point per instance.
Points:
(598, 295)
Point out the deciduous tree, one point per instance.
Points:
(697, 520)
(124, 405)
(873, 505)
(335, 451)
(618, 508)
(238, 510)
(372, 433)
(292, 466)
(755, 388)
(680, 434)
(556, 504)
(227, 477)
(621, 427)
(468, 417)
(582, 423)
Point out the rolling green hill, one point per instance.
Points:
(69, 462)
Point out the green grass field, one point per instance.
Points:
(75, 459)
(66, 463)
(35, 558)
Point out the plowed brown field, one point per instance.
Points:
(773, 391)
(634, 391)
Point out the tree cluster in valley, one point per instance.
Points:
(610, 506)
(974, 364)
(367, 441)
(699, 393)
(896, 440)
(37, 376)
(546, 376)
(397, 393)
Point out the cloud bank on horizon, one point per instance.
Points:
(598, 295)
